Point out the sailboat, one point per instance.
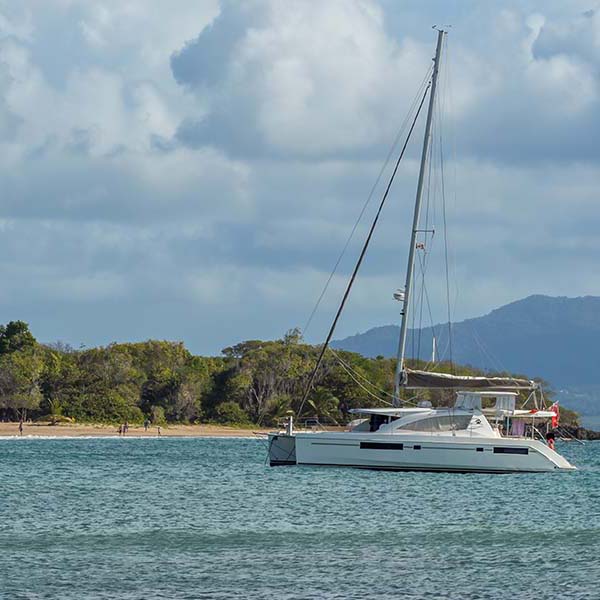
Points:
(483, 431)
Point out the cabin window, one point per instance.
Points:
(444, 423)
(377, 421)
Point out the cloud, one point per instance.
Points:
(578, 38)
(193, 173)
(317, 80)
(308, 79)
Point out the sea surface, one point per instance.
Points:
(207, 518)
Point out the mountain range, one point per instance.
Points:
(556, 338)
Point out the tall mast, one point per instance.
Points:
(413, 240)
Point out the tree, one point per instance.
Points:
(20, 375)
(15, 336)
(254, 381)
(292, 336)
(157, 415)
(325, 404)
(230, 413)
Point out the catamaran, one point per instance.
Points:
(483, 431)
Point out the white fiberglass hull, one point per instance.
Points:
(418, 452)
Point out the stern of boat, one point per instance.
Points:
(282, 449)
(559, 462)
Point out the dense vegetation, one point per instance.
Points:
(254, 382)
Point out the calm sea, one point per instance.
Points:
(206, 518)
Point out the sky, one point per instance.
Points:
(191, 170)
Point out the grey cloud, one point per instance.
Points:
(232, 131)
(79, 188)
(9, 123)
(159, 235)
(203, 66)
(200, 62)
(575, 38)
(517, 133)
(513, 121)
(234, 63)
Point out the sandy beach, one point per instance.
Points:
(87, 430)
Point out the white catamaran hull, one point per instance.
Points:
(417, 453)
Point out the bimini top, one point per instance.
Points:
(504, 406)
(427, 379)
(469, 400)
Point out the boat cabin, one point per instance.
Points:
(468, 417)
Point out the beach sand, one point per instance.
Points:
(86, 430)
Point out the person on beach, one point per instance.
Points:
(125, 427)
(21, 427)
(146, 424)
(158, 430)
(120, 429)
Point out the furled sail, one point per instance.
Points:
(426, 379)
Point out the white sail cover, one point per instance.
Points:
(425, 379)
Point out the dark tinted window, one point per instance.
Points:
(507, 450)
(381, 446)
(444, 423)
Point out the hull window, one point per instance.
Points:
(381, 446)
(501, 450)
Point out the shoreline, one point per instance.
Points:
(95, 430)
(75, 430)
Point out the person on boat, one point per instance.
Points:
(343, 408)
(550, 437)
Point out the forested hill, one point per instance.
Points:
(254, 382)
(553, 338)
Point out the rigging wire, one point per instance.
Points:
(364, 388)
(351, 371)
(369, 198)
(449, 98)
(486, 353)
(363, 252)
(423, 258)
(417, 332)
(443, 193)
(495, 362)
(436, 191)
(431, 323)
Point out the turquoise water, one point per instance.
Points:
(206, 518)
